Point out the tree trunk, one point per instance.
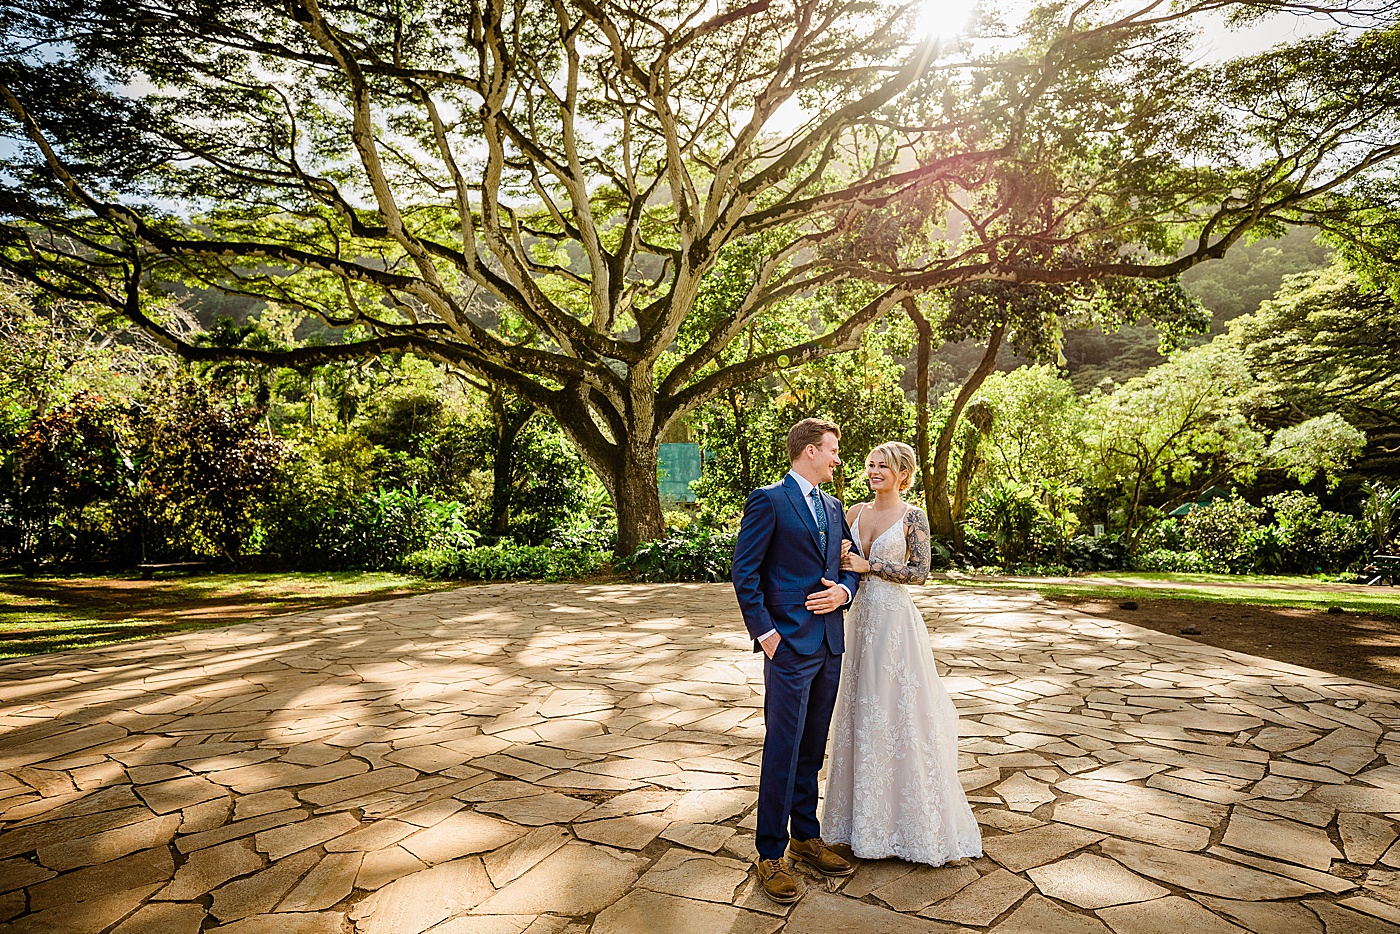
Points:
(741, 441)
(923, 355)
(979, 415)
(941, 515)
(624, 458)
(508, 424)
(636, 496)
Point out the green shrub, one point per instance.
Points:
(504, 561)
(1313, 539)
(1013, 517)
(698, 556)
(1101, 553)
(373, 531)
(1224, 534)
(1165, 559)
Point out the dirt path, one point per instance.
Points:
(1352, 644)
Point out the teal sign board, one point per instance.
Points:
(679, 466)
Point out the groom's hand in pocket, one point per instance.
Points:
(769, 643)
(826, 601)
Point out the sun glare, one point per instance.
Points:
(945, 18)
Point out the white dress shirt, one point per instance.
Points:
(807, 489)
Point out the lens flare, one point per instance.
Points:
(945, 18)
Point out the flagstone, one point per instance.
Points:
(78, 804)
(577, 879)
(536, 810)
(148, 867)
(374, 835)
(324, 922)
(381, 867)
(1039, 915)
(917, 890)
(461, 834)
(293, 838)
(428, 758)
(207, 869)
(710, 806)
(243, 828)
(354, 786)
(263, 802)
(1346, 749)
(29, 837)
(207, 815)
(18, 873)
(417, 902)
(1090, 881)
(1196, 873)
(1339, 920)
(1200, 720)
(1145, 800)
(1265, 917)
(330, 882)
(1307, 812)
(645, 912)
(164, 918)
(1385, 910)
(1352, 798)
(1022, 793)
(400, 734)
(871, 874)
(261, 891)
(1311, 773)
(110, 844)
(501, 924)
(1281, 839)
(1283, 739)
(1365, 837)
(1170, 915)
(86, 917)
(1021, 851)
(1124, 771)
(695, 875)
(707, 837)
(1149, 828)
(1203, 791)
(509, 862)
(1325, 881)
(629, 833)
(822, 913)
(982, 901)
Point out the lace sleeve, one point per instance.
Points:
(920, 556)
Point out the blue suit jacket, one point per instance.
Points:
(778, 562)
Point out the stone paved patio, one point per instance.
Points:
(560, 760)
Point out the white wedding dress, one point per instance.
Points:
(892, 772)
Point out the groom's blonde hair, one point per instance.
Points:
(901, 457)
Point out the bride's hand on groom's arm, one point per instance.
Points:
(851, 560)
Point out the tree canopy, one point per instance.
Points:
(591, 204)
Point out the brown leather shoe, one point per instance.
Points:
(819, 856)
(777, 880)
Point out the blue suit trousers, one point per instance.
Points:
(799, 695)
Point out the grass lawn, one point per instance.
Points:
(50, 614)
(1257, 590)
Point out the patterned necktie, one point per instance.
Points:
(820, 511)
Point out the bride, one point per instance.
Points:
(892, 776)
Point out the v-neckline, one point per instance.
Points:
(887, 530)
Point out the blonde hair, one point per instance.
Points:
(901, 457)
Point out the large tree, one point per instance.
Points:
(589, 202)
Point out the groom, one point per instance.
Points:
(791, 591)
